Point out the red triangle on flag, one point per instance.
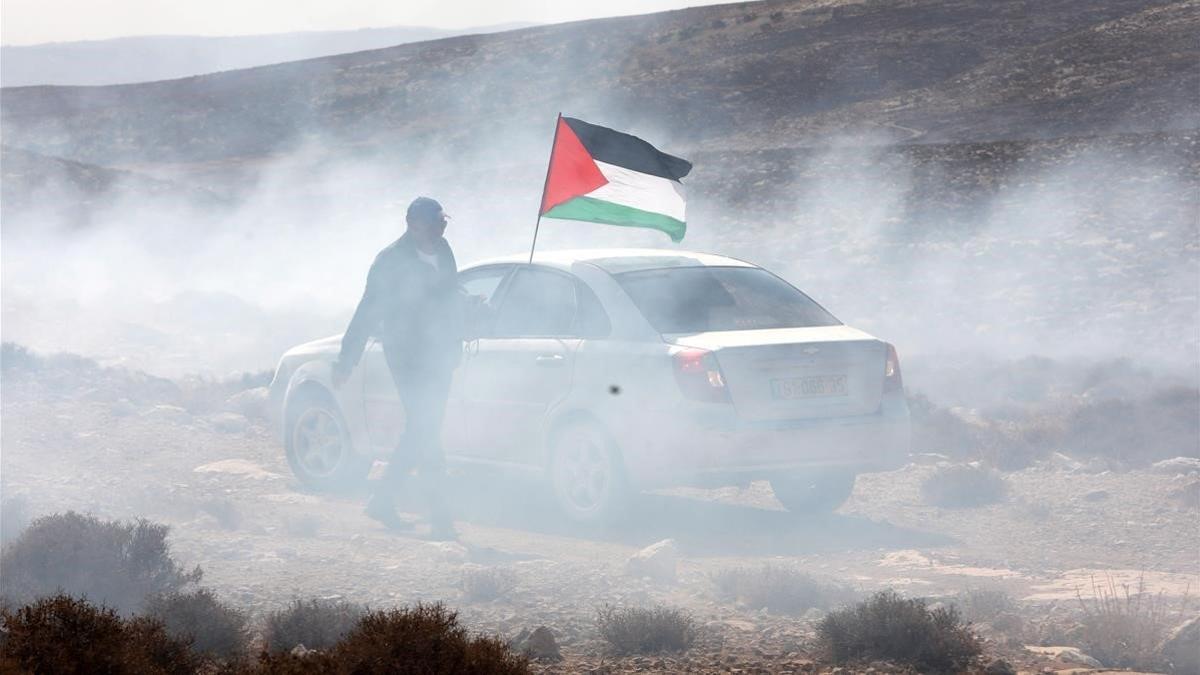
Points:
(572, 171)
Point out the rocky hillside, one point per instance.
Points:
(749, 75)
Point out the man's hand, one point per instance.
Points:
(340, 373)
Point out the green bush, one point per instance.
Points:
(316, 624)
(212, 628)
(779, 590)
(119, 564)
(638, 630)
(891, 628)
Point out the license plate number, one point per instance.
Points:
(811, 386)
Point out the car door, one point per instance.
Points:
(520, 367)
(383, 411)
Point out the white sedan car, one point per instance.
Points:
(611, 371)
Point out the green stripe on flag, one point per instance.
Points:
(600, 211)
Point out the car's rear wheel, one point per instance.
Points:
(813, 493)
(587, 475)
(318, 446)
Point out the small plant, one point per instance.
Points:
(637, 630)
(780, 590)
(487, 583)
(984, 604)
(211, 627)
(316, 624)
(424, 639)
(119, 564)
(889, 627)
(1124, 628)
(64, 635)
(964, 486)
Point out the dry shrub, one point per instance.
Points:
(316, 624)
(119, 564)
(963, 486)
(211, 627)
(1123, 628)
(984, 604)
(1137, 431)
(424, 639)
(638, 630)
(487, 583)
(891, 628)
(780, 590)
(64, 635)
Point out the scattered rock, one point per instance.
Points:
(1182, 647)
(540, 645)
(237, 467)
(1178, 465)
(1066, 655)
(301, 651)
(657, 561)
(450, 551)
(1096, 496)
(230, 423)
(999, 667)
(253, 403)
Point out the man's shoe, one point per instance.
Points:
(384, 512)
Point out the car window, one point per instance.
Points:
(537, 303)
(592, 320)
(700, 299)
(482, 282)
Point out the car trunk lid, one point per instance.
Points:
(796, 373)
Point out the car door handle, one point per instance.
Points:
(549, 359)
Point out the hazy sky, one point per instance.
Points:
(35, 21)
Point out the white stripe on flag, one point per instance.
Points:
(640, 191)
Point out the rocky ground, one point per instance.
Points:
(218, 477)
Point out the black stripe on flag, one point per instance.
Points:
(613, 147)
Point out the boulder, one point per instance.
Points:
(230, 423)
(253, 403)
(541, 645)
(1182, 647)
(999, 667)
(1067, 655)
(657, 561)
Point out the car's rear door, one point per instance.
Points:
(521, 366)
(383, 410)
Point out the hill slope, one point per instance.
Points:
(734, 76)
(164, 57)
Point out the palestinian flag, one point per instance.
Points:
(604, 176)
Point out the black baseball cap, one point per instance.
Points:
(423, 208)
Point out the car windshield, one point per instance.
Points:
(701, 299)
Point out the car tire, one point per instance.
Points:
(318, 447)
(813, 493)
(586, 474)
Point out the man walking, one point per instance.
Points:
(412, 304)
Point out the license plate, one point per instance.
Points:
(811, 386)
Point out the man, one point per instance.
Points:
(412, 304)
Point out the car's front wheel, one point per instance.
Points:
(318, 446)
(586, 474)
(813, 493)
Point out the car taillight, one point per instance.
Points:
(699, 376)
(891, 371)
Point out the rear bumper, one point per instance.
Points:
(710, 446)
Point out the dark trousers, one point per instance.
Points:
(423, 387)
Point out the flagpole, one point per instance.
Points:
(545, 184)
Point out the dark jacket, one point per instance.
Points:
(415, 310)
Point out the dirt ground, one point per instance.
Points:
(235, 510)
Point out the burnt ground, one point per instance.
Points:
(225, 489)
